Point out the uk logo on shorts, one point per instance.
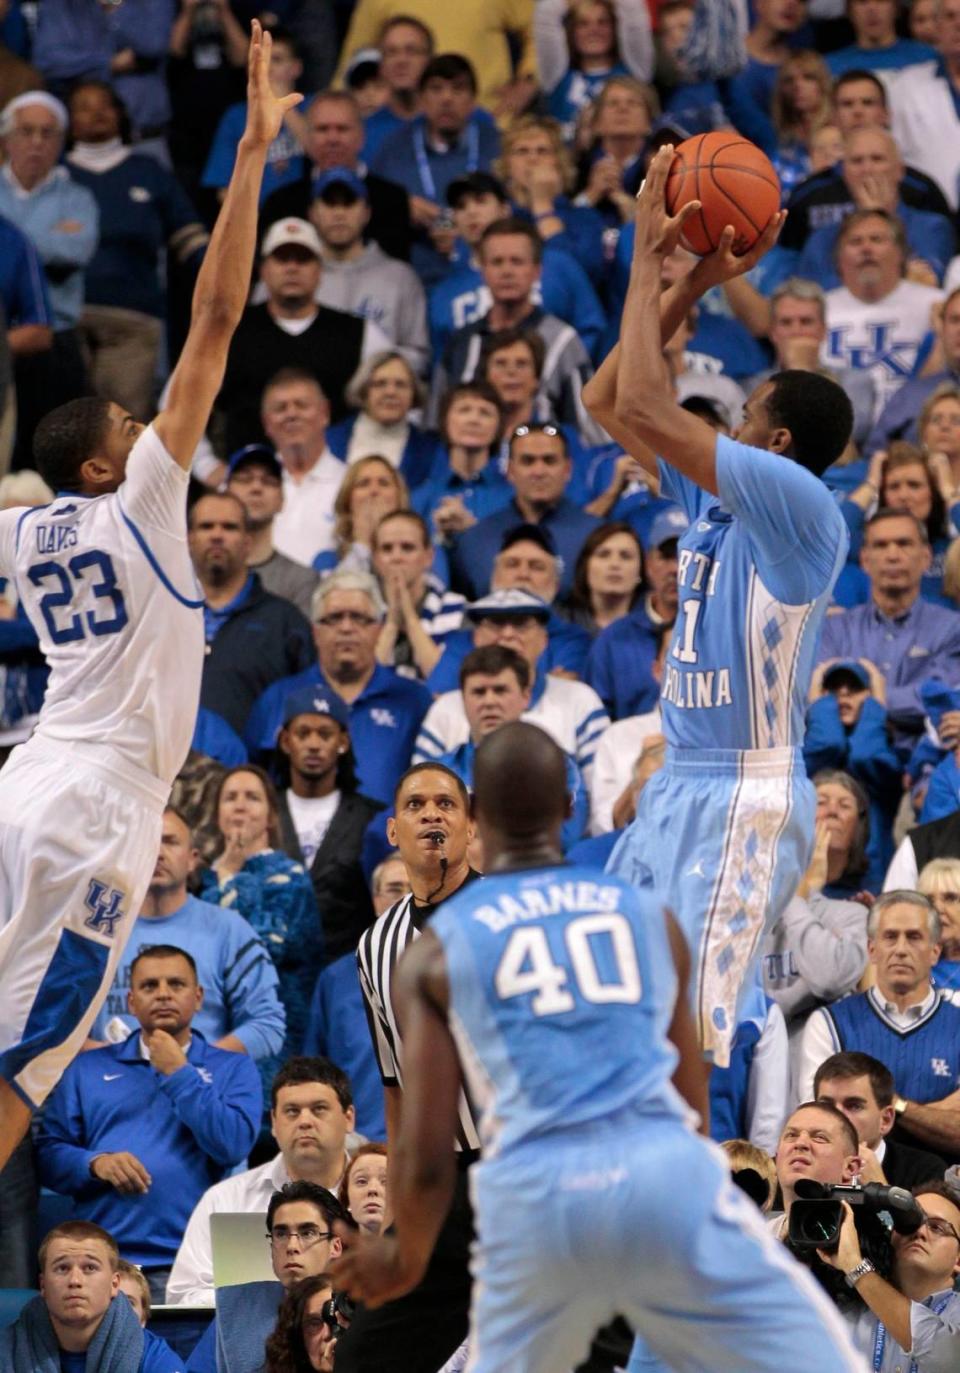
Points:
(103, 903)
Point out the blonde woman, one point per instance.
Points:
(371, 489)
(801, 107)
(939, 880)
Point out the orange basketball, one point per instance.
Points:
(735, 183)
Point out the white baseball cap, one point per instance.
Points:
(296, 231)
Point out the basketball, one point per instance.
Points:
(735, 183)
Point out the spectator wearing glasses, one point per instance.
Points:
(939, 882)
(305, 1335)
(311, 1118)
(539, 469)
(912, 1320)
(385, 710)
(382, 392)
(300, 1221)
(405, 46)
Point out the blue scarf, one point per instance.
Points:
(30, 1344)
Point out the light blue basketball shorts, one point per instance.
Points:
(645, 1223)
(724, 836)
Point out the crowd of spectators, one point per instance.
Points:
(407, 530)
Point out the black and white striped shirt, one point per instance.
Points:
(377, 955)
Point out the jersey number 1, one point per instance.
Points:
(69, 629)
(527, 965)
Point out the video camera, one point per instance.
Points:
(816, 1218)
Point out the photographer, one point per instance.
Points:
(818, 1142)
(912, 1321)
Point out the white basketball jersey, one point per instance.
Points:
(109, 587)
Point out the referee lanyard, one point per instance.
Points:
(423, 165)
(880, 1341)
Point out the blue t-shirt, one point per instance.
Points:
(563, 986)
(756, 571)
(575, 91)
(905, 52)
(285, 159)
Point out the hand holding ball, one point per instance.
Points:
(735, 183)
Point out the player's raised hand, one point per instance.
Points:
(657, 231)
(370, 1268)
(723, 264)
(265, 110)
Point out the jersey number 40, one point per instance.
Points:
(527, 965)
(66, 583)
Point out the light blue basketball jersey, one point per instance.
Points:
(756, 571)
(562, 987)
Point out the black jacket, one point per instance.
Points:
(904, 1166)
(264, 639)
(936, 839)
(343, 897)
(389, 211)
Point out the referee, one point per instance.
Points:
(431, 827)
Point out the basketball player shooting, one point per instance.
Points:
(725, 829)
(104, 575)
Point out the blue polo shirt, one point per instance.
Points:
(384, 722)
(475, 551)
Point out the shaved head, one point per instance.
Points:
(520, 782)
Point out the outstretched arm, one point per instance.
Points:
(223, 281)
(645, 409)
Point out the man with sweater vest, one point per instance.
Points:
(291, 330)
(241, 1007)
(135, 1133)
(903, 1020)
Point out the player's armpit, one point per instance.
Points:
(691, 1075)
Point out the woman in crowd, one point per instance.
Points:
(611, 172)
(143, 209)
(938, 426)
(538, 173)
(843, 810)
(371, 489)
(253, 876)
(383, 390)
(940, 881)
(363, 1190)
(801, 106)
(608, 580)
(590, 28)
(303, 1341)
(466, 483)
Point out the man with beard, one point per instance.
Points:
(253, 638)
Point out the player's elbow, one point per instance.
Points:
(214, 316)
(634, 413)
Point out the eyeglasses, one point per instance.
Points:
(308, 1235)
(522, 430)
(346, 617)
(941, 1228)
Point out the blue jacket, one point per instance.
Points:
(23, 286)
(620, 665)
(943, 791)
(188, 1129)
(384, 720)
(64, 252)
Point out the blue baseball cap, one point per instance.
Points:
(343, 178)
(669, 524)
(316, 700)
(255, 455)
